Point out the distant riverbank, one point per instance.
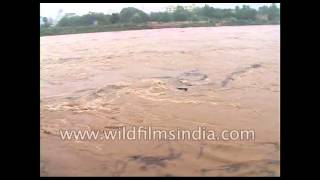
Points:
(49, 31)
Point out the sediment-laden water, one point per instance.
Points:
(215, 77)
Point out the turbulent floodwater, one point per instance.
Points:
(217, 77)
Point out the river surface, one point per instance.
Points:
(177, 78)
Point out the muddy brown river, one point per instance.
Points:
(177, 78)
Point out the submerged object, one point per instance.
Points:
(182, 88)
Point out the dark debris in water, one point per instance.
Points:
(154, 160)
(255, 65)
(182, 89)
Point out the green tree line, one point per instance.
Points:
(132, 15)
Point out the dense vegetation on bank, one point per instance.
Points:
(132, 18)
